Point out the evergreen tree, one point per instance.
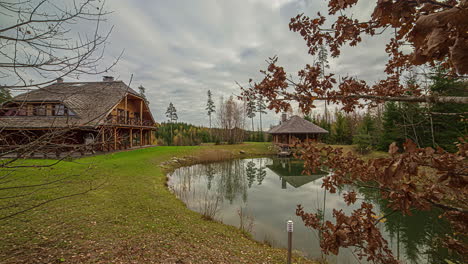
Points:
(171, 114)
(210, 106)
(261, 107)
(392, 130)
(341, 132)
(5, 95)
(448, 120)
(322, 62)
(364, 137)
(143, 93)
(251, 109)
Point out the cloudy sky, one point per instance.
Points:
(178, 50)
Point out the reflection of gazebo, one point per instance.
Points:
(298, 180)
(290, 172)
(295, 128)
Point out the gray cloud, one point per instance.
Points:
(180, 49)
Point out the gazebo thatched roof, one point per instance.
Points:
(297, 125)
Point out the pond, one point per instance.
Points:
(260, 195)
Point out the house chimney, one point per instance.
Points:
(107, 79)
(284, 117)
(59, 80)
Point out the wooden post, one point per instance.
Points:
(29, 110)
(141, 137)
(125, 111)
(289, 228)
(307, 137)
(141, 112)
(131, 138)
(115, 138)
(103, 138)
(48, 110)
(289, 139)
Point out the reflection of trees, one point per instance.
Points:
(420, 234)
(261, 173)
(231, 180)
(250, 172)
(210, 172)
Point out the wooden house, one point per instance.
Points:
(105, 116)
(295, 128)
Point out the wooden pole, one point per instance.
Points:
(125, 111)
(115, 138)
(102, 138)
(141, 112)
(289, 228)
(141, 137)
(131, 138)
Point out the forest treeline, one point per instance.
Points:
(183, 134)
(427, 124)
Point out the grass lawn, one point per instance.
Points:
(132, 218)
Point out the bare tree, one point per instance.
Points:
(231, 120)
(41, 41)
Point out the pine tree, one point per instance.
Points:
(171, 114)
(391, 124)
(143, 93)
(5, 95)
(251, 109)
(322, 62)
(448, 128)
(210, 106)
(364, 137)
(341, 131)
(261, 107)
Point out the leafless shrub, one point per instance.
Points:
(210, 206)
(246, 223)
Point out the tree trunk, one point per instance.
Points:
(261, 126)
(211, 136)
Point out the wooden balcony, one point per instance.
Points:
(120, 120)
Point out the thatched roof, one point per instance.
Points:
(90, 101)
(297, 125)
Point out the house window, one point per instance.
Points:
(22, 111)
(39, 110)
(59, 110)
(62, 110)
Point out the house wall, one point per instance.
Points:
(133, 108)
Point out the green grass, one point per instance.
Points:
(131, 218)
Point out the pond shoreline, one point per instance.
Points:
(134, 218)
(228, 189)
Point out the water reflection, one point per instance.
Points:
(266, 191)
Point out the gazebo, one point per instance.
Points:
(295, 128)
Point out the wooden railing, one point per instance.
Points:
(120, 120)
